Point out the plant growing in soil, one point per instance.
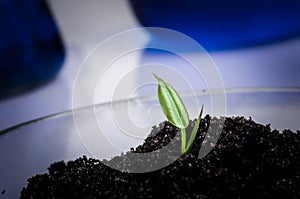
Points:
(175, 111)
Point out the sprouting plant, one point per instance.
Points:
(176, 112)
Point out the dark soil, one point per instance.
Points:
(249, 161)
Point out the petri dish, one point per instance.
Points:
(29, 148)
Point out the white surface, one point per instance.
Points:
(84, 24)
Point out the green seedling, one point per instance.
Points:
(176, 112)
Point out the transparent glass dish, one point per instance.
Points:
(106, 130)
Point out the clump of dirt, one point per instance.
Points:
(249, 160)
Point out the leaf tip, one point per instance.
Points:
(155, 76)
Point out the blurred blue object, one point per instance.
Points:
(31, 51)
(222, 25)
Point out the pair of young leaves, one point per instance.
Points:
(176, 112)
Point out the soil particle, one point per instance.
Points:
(249, 161)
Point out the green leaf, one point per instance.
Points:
(194, 133)
(172, 104)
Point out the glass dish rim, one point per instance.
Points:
(185, 94)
